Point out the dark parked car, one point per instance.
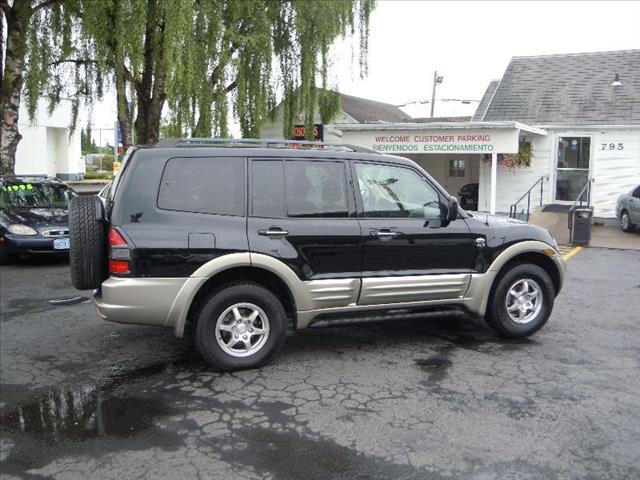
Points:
(33, 217)
(628, 209)
(243, 239)
(468, 196)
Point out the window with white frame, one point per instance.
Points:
(457, 168)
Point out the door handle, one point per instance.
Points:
(384, 233)
(273, 232)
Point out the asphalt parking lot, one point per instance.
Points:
(439, 398)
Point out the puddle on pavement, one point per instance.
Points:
(83, 413)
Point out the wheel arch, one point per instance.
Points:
(530, 251)
(239, 267)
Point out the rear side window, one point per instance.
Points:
(267, 188)
(203, 185)
(316, 189)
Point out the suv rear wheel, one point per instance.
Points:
(521, 302)
(241, 326)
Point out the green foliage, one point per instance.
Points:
(522, 159)
(206, 57)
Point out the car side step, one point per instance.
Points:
(391, 315)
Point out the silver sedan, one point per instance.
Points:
(628, 209)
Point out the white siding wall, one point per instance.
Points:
(512, 183)
(614, 171)
(45, 148)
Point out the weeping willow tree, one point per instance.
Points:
(195, 60)
(199, 60)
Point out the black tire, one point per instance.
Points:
(625, 222)
(219, 301)
(87, 242)
(497, 316)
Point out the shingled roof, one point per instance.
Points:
(370, 111)
(569, 89)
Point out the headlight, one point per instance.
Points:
(17, 229)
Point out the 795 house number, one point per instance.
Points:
(613, 146)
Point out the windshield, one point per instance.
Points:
(33, 195)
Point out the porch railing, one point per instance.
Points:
(513, 209)
(579, 203)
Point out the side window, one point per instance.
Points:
(316, 189)
(636, 193)
(267, 188)
(389, 191)
(203, 185)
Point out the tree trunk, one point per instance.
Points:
(151, 89)
(120, 74)
(17, 18)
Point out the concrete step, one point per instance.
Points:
(555, 222)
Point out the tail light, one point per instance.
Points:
(119, 253)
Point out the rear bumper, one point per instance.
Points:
(143, 301)
(27, 245)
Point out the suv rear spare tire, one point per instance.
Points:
(521, 302)
(87, 242)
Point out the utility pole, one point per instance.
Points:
(437, 80)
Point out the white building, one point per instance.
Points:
(47, 149)
(580, 113)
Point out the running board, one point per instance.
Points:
(391, 315)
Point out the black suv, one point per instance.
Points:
(242, 238)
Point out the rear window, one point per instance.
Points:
(203, 185)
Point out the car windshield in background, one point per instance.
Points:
(35, 195)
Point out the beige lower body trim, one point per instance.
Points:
(144, 301)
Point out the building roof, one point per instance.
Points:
(486, 100)
(369, 111)
(439, 119)
(567, 89)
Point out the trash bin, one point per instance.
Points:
(582, 221)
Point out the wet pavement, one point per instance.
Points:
(439, 398)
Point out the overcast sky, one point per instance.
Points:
(469, 43)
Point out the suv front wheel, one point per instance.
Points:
(240, 326)
(521, 302)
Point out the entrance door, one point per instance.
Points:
(572, 167)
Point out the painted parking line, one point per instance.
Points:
(569, 252)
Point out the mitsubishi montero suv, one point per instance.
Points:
(242, 239)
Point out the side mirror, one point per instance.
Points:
(452, 211)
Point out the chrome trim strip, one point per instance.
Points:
(413, 288)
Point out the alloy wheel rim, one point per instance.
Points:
(624, 220)
(242, 329)
(524, 301)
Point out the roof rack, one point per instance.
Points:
(259, 143)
